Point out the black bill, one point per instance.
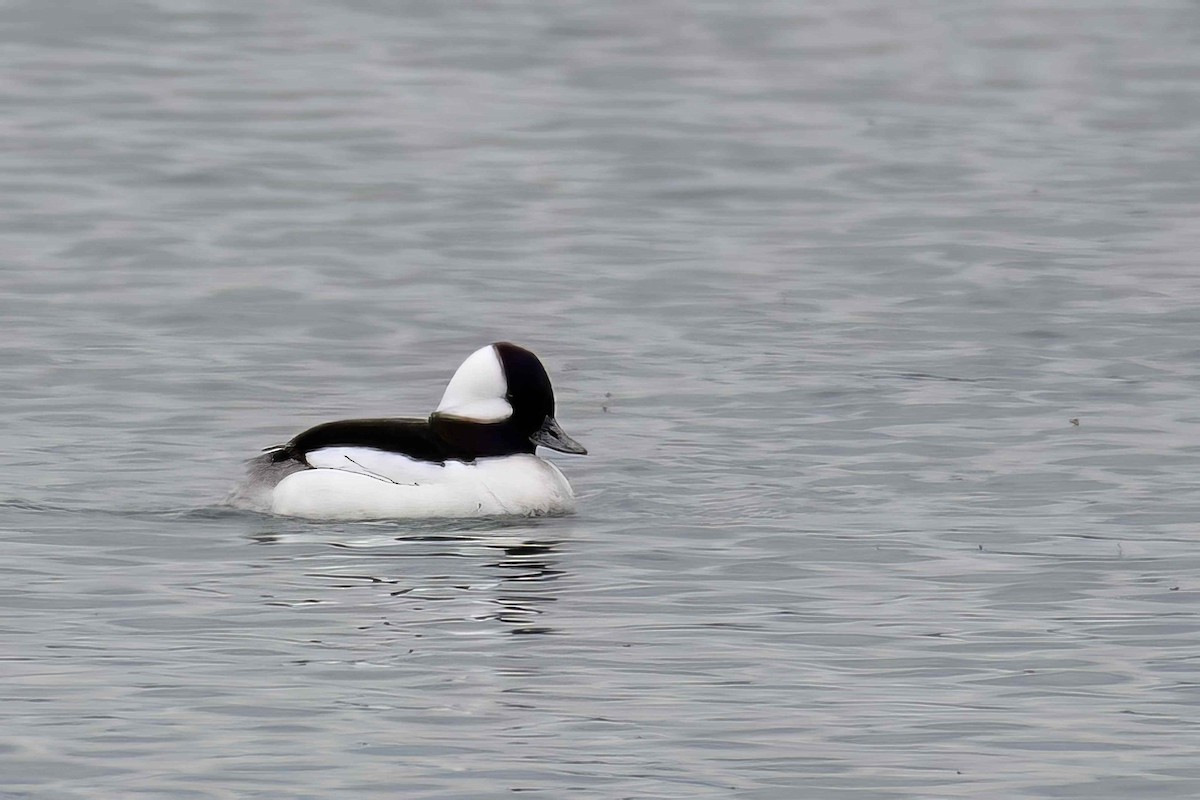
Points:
(552, 436)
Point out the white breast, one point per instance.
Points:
(359, 483)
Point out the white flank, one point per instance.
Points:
(382, 464)
(522, 485)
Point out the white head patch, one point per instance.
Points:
(476, 392)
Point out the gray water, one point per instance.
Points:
(821, 286)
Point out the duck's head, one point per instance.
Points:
(501, 401)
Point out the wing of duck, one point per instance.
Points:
(402, 451)
(382, 464)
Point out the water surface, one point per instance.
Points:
(822, 288)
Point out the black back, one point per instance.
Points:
(412, 437)
(440, 438)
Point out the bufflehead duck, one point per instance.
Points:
(473, 456)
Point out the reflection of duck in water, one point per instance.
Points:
(523, 594)
(473, 456)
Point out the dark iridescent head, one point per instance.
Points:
(506, 389)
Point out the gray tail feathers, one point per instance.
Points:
(263, 473)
